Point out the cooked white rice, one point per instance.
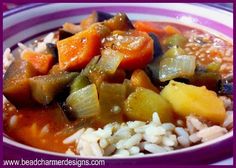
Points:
(137, 138)
(8, 58)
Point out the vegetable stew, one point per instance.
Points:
(109, 69)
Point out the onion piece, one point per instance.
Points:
(109, 61)
(84, 102)
(180, 66)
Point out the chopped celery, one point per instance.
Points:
(180, 66)
(78, 83)
(176, 40)
(173, 52)
(84, 102)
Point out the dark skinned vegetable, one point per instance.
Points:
(208, 79)
(225, 86)
(101, 16)
(64, 34)
(45, 88)
(152, 70)
(203, 77)
(119, 22)
(94, 17)
(157, 45)
(52, 49)
(16, 86)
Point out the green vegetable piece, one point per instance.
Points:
(45, 88)
(111, 99)
(90, 67)
(179, 67)
(173, 52)
(176, 40)
(78, 83)
(213, 67)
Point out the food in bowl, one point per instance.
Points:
(112, 87)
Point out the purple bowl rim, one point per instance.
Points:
(24, 7)
(33, 5)
(21, 8)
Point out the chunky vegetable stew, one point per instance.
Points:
(111, 70)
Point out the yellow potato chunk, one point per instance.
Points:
(141, 104)
(189, 99)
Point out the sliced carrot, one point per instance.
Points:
(149, 27)
(170, 30)
(140, 79)
(41, 62)
(136, 46)
(76, 51)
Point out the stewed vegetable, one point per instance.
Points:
(108, 70)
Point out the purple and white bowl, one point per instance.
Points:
(29, 22)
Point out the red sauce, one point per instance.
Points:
(29, 125)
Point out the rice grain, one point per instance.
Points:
(153, 148)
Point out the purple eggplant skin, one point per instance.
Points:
(129, 22)
(227, 89)
(225, 86)
(152, 69)
(119, 22)
(16, 83)
(52, 49)
(101, 16)
(157, 45)
(64, 34)
(45, 88)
